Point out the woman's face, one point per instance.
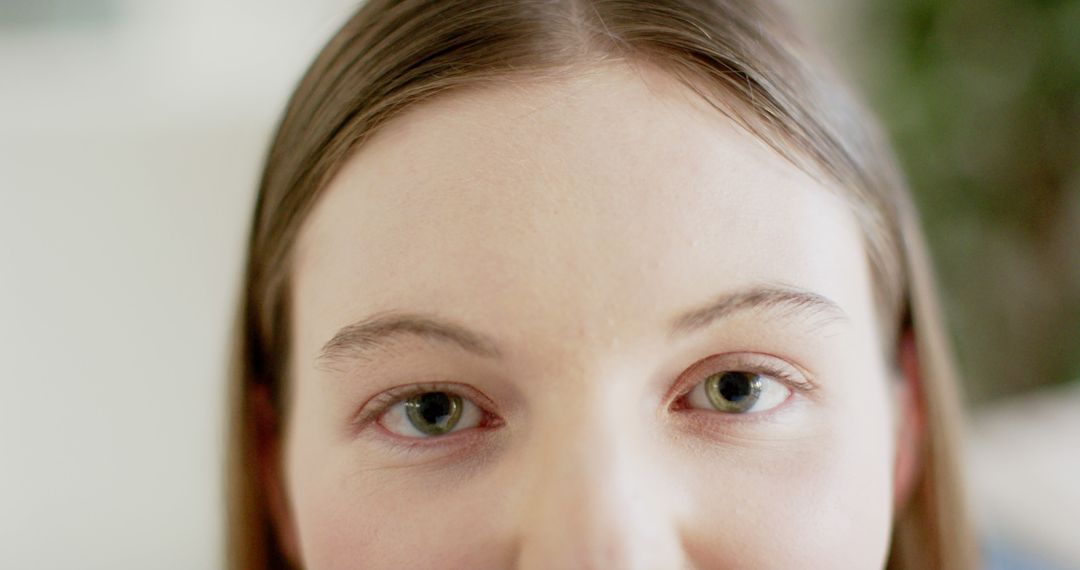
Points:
(587, 323)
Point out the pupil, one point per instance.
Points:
(735, 386)
(434, 406)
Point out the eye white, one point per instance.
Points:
(396, 420)
(773, 393)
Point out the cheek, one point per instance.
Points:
(824, 501)
(356, 518)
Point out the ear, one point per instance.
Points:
(268, 434)
(910, 419)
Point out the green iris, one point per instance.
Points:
(434, 413)
(733, 392)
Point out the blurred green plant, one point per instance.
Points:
(982, 98)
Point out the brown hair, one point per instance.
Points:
(741, 56)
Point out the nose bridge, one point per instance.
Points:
(594, 499)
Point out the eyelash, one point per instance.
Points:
(755, 363)
(380, 404)
(744, 362)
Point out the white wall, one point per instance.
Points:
(128, 160)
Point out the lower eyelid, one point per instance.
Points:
(460, 445)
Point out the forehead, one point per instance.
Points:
(614, 197)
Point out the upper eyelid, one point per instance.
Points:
(753, 361)
(804, 382)
(379, 404)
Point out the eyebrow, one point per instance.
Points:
(786, 298)
(356, 341)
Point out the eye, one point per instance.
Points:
(738, 392)
(431, 413)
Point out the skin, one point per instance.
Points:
(569, 221)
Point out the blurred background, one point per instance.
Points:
(131, 139)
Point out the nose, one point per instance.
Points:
(596, 497)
